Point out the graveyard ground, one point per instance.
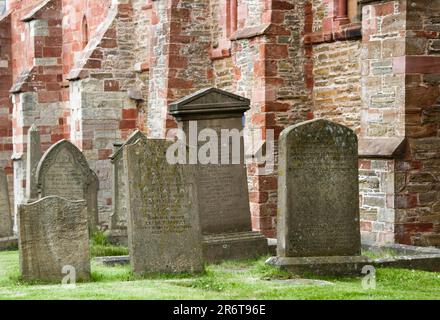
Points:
(230, 280)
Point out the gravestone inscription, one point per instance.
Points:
(163, 220)
(53, 234)
(63, 171)
(318, 196)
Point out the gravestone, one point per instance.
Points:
(318, 199)
(118, 221)
(32, 160)
(5, 207)
(63, 171)
(223, 187)
(53, 234)
(163, 220)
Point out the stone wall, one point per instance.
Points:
(101, 111)
(337, 82)
(180, 62)
(376, 182)
(418, 200)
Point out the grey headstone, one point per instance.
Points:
(63, 171)
(318, 191)
(222, 188)
(119, 215)
(32, 160)
(5, 207)
(53, 234)
(163, 220)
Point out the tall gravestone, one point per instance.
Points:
(53, 234)
(163, 221)
(223, 187)
(118, 219)
(32, 160)
(5, 207)
(63, 171)
(318, 199)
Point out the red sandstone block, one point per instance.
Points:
(274, 51)
(405, 231)
(110, 33)
(261, 223)
(86, 144)
(93, 64)
(48, 96)
(273, 81)
(267, 183)
(54, 138)
(273, 106)
(180, 83)
(129, 114)
(263, 119)
(178, 62)
(176, 38)
(170, 123)
(365, 164)
(258, 197)
(127, 124)
(103, 154)
(282, 5)
(111, 85)
(384, 9)
(108, 43)
(366, 226)
(406, 201)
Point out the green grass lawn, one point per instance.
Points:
(230, 280)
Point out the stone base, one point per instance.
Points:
(10, 243)
(118, 237)
(431, 240)
(350, 265)
(231, 246)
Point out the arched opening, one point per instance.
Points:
(84, 33)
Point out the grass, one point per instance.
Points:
(100, 247)
(230, 280)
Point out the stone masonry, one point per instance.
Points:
(92, 72)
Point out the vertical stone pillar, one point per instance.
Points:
(32, 159)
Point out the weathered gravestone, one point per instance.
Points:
(163, 220)
(318, 199)
(222, 187)
(63, 171)
(118, 222)
(53, 234)
(32, 160)
(5, 207)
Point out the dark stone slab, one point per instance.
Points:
(333, 265)
(163, 219)
(53, 233)
(63, 171)
(118, 219)
(222, 188)
(318, 199)
(234, 246)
